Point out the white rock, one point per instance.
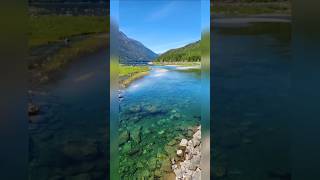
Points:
(197, 135)
(195, 142)
(188, 156)
(184, 143)
(196, 160)
(197, 175)
(189, 168)
(173, 167)
(173, 161)
(178, 173)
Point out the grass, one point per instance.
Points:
(126, 70)
(86, 35)
(75, 50)
(128, 74)
(46, 29)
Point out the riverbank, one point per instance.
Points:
(128, 74)
(177, 63)
(56, 41)
(250, 8)
(157, 111)
(46, 60)
(189, 152)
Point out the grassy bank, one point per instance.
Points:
(56, 41)
(49, 29)
(73, 51)
(128, 74)
(250, 8)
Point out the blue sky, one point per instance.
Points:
(161, 24)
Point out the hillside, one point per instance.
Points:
(188, 53)
(134, 52)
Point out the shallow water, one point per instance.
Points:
(159, 109)
(250, 85)
(68, 139)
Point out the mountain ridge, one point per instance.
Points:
(188, 53)
(132, 51)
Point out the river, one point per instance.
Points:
(250, 84)
(69, 137)
(158, 111)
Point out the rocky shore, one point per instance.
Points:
(189, 152)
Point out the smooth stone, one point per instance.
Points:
(179, 152)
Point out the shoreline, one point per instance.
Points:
(186, 64)
(131, 78)
(250, 8)
(46, 61)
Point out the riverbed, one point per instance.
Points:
(68, 138)
(156, 112)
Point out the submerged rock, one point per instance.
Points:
(220, 171)
(136, 134)
(172, 142)
(33, 109)
(152, 109)
(135, 109)
(124, 137)
(80, 150)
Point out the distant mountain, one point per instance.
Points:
(188, 53)
(134, 52)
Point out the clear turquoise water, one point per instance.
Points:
(173, 96)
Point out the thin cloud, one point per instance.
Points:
(163, 12)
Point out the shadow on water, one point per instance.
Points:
(68, 139)
(250, 75)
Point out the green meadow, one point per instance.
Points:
(46, 29)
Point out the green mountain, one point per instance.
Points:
(188, 53)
